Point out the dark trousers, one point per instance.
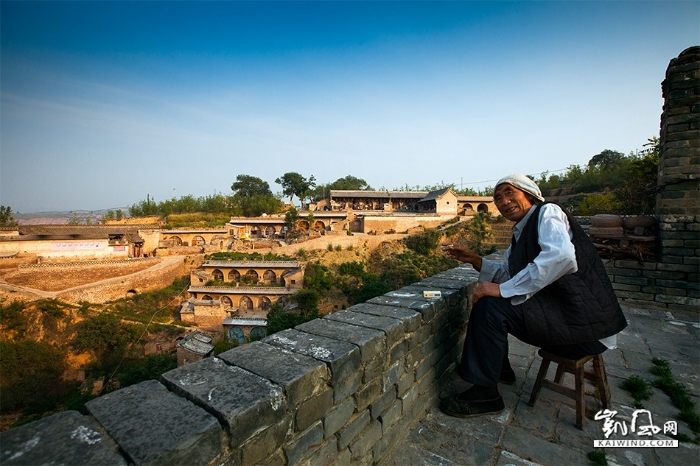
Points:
(485, 350)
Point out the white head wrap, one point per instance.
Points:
(523, 183)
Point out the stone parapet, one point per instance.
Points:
(341, 389)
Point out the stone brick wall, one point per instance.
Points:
(672, 282)
(342, 389)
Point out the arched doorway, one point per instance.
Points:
(256, 333)
(217, 275)
(246, 304)
(206, 297)
(483, 208)
(176, 240)
(252, 276)
(264, 304)
(236, 334)
(303, 225)
(270, 231)
(319, 225)
(198, 241)
(227, 301)
(234, 276)
(269, 277)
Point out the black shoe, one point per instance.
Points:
(459, 408)
(507, 376)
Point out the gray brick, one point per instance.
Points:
(368, 394)
(634, 281)
(241, 400)
(326, 454)
(353, 428)
(154, 426)
(427, 310)
(409, 398)
(314, 409)
(376, 408)
(391, 375)
(399, 351)
(64, 438)
(338, 416)
(410, 318)
(391, 415)
(264, 443)
(371, 342)
(374, 369)
(305, 444)
(342, 358)
(301, 376)
(620, 287)
(366, 440)
(404, 383)
(393, 328)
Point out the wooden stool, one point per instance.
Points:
(577, 368)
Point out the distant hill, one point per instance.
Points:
(63, 217)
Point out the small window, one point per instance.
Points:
(294, 282)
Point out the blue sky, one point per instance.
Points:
(104, 103)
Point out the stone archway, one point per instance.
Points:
(303, 225)
(176, 240)
(269, 277)
(252, 276)
(483, 208)
(264, 304)
(198, 241)
(256, 333)
(217, 275)
(227, 301)
(468, 209)
(319, 225)
(270, 231)
(234, 276)
(235, 333)
(246, 304)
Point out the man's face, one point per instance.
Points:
(511, 202)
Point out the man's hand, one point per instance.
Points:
(486, 289)
(462, 254)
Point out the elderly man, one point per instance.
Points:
(552, 291)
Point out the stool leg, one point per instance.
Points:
(544, 366)
(601, 380)
(580, 400)
(560, 372)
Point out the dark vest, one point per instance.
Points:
(579, 307)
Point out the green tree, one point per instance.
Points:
(253, 197)
(109, 216)
(6, 217)
(119, 214)
(106, 338)
(30, 376)
(278, 319)
(347, 183)
(317, 277)
(307, 300)
(74, 220)
(294, 184)
(149, 368)
(290, 219)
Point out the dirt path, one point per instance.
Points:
(7, 289)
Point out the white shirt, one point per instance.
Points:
(556, 259)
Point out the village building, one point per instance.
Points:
(237, 295)
(194, 347)
(80, 242)
(218, 237)
(275, 226)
